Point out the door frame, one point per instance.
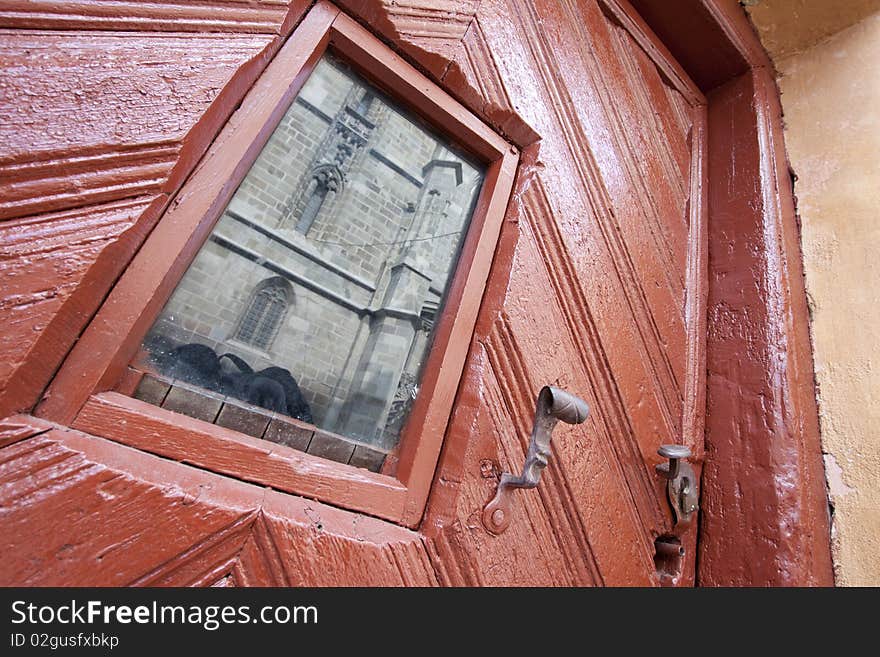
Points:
(765, 515)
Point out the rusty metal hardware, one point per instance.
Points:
(552, 405)
(669, 560)
(681, 488)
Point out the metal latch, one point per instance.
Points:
(681, 488)
(552, 405)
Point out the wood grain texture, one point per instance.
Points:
(445, 39)
(262, 16)
(110, 529)
(84, 176)
(621, 422)
(50, 268)
(430, 30)
(762, 418)
(574, 261)
(309, 544)
(101, 128)
(78, 510)
(74, 93)
(222, 450)
(16, 428)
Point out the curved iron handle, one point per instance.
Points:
(552, 405)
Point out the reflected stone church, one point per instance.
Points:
(333, 257)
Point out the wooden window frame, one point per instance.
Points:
(83, 393)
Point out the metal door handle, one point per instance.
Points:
(553, 405)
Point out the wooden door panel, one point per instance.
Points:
(595, 287)
(585, 495)
(660, 155)
(532, 343)
(101, 126)
(48, 484)
(603, 240)
(606, 167)
(78, 510)
(267, 16)
(642, 229)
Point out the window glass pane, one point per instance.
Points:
(316, 295)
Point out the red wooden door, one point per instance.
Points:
(597, 286)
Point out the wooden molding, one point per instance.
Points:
(261, 16)
(215, 448)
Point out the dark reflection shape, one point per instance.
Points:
(272, 388)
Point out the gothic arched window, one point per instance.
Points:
(264, 313)
(325, 181)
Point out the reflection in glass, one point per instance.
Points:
(316, 295)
